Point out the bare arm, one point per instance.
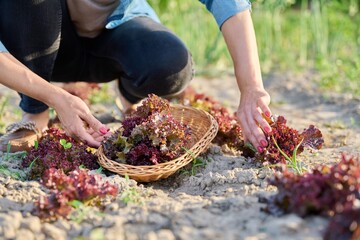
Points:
(239, 35)
(72, 111)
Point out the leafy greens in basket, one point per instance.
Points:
(148, 136)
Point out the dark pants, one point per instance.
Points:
(143, 55)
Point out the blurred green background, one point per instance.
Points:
(321, 36)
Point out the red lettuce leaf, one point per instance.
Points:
(325, 190)
(78, 185)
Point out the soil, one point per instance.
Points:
(220, 200)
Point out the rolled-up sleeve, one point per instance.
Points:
(224, 9)
(2, 48)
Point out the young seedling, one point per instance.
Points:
(65, 144)
(32, 164)
(81, 211)
(82, 166)
(131, 195)
(196, 163)
(293, 163)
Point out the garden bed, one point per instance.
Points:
(218, 198)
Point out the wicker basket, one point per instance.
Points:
(203, 130)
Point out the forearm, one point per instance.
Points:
(71, 111)
(240, 38)
(239, 35)
(18, 77)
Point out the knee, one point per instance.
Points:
(171, 68)
(166, 56)
(166, 69)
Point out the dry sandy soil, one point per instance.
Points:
(221, 201)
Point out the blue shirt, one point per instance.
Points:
(2, 48)
(128, 9)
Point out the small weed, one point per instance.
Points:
(82, 166)
(354, 122)
(97, 234)
(99, 170)
(336, 125)
(292, 161)
(4, 166)
(4, 170)
(131, 195)
(82, 211)
(250, 146)
(12, 156)
(196, 163)
(32, 165)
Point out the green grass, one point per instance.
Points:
(191, 21)
(322, 36)
(7, 160)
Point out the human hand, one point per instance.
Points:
(78, 122)
(253, 104)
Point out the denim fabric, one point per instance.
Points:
(221, 10)
(144, 55)
(2, 48)
(128, 9)
(224, 9)
(33, 37)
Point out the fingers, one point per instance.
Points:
(86, 134)
(253, 123)
(261, 122)
(98, 136)
(79, 122)
(95, 124)
(77, 131)
(263, 104)
(90, 140)
(257, 137)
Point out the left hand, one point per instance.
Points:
(253, 104)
